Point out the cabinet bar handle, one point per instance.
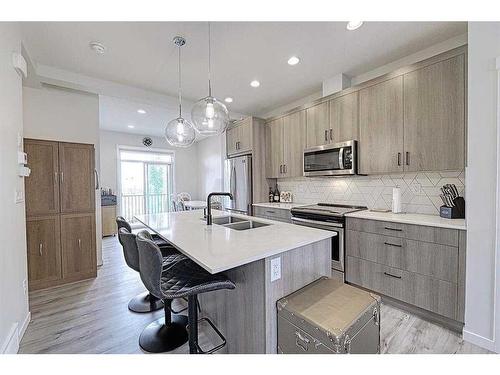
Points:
(270, 212)
(391, 275)
(284, 168)
(62, 177)
(281, 168)
(40, 249)
(326, 135)
(407, 158)
(55, 177)
(80, 244)
(331, 135)
(399, 159)
(394, 229)
(392, 244)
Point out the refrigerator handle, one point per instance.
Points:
(233, 185)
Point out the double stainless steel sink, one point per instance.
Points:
(237, 223)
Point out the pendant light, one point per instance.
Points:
(209, 116)
(179, 132)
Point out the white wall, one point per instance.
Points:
(211, 155)
(481, 184)
(65, 115)
(185, 160)
(14, 314)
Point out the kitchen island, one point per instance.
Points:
(267, 260)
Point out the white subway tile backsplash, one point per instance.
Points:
(420, 191)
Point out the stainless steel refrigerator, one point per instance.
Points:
(238, 181)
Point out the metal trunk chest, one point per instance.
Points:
(328, 316)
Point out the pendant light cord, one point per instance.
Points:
(180, 95)
(209, 65)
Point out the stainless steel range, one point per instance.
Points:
(330, 217)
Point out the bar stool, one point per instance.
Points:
(122, 223)
(181, 277)
(144, 302)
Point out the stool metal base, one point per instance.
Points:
(145, 303)
(159, 337)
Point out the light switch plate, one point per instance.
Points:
(275, 269)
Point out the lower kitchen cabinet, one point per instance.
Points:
(418, 265)
(44, 251)
(78, 246)
(278, 214)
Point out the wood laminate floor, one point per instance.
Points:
(92, 317)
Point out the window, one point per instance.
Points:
(146, 182)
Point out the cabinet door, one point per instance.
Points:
(78, 245)
(244, 130)
(274, 141)
(318, 125)
(434, 119)
(231, 139)
(44, 250)
(344, 117)
(108, 219)
(76, 163)
(42, 186)
(294, 135)
(381, 127)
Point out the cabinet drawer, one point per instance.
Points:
(442, 236)
(430, 259)
(419, 290)
(278, 214)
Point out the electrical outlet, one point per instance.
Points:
(275, 269)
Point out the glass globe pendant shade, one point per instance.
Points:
(180, 133)
(209, 116)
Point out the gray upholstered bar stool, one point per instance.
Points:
(144, 302)
(177, 278)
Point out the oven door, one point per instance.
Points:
(330, 160)
(337, 241)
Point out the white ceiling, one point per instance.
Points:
(142, 55)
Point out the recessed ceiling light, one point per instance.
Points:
(97, 47)
(255, 83)
(353, 25)
(294, 60)
(130, 126)
(228, 100)
(141, 111)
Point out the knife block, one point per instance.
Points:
(456, 212)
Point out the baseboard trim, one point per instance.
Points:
(11, 343)
(478, 340)
(24, 326)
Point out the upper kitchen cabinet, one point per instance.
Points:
(434, 116)
(381, 127)
(318, 125)
(344, 118)
(286, 140)
(274, 143)
(332, 121)
(294, 136)
(76, 163)
(42, 185)
(239, 137)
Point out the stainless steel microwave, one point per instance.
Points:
(336, 159)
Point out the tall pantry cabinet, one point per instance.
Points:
(60, 213)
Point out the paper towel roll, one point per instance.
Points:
(396, 200)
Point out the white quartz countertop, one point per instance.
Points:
(217, 248)
(283, 206)
(417, 219)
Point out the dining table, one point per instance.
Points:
(194, 205)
